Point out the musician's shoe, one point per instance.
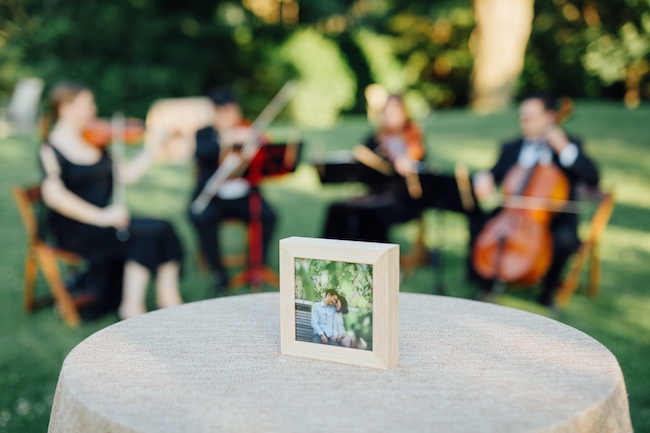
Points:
(487, 296)
(552, 308)
(219, 284)
(554, 311)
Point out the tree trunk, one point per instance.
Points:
(499, 44)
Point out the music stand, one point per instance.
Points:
(342, 171)
(444, 192)
(270, 161)
(439, 191)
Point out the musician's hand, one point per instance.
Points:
(238, 135)
(405, 165)
(483, 184)
(155, 139)
(114, 216)
(556, 138)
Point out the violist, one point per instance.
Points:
(543, 142)
(77, 186)
(398, 140)
(227, 133)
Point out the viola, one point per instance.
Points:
(99, 132)
(407, 141)
(395, 144)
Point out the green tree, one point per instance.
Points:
(584, 48)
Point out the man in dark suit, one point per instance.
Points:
(228, 132)
(543, 142)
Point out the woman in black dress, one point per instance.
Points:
(77, 188)
(398, 140)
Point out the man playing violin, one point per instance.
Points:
(544, 143)
(228, 132)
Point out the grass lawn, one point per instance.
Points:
(32, 347)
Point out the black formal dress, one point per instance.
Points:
(369, 218)
(151, 242)
(564, 226)
(208, 222)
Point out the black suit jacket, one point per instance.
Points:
(206, 156)
(582, 170)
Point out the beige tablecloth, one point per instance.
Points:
(464, 366)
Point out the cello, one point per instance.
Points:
(516, 246)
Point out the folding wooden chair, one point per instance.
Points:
(417, 254)
(46, 257)
(589, 249)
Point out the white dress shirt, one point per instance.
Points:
(533, 151)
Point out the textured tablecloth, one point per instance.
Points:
(464, 366)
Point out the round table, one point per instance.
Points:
(464, 366)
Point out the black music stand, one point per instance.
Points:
(444, 193)
(439, 191)
(343, 171)
(270, 161)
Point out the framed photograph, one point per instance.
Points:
(339, 301)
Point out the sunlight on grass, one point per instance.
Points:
(629, 188)
(618, 241)
(616, 138)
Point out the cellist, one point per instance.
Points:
(543, 142)
(228, 130)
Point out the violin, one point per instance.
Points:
(393, 145)
(407, 142)
(99, 132)
(516, 246)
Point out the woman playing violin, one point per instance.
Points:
(228, 131)
(398, 140)
(77, 186)
(543, 143)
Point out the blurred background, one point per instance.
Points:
(442, 54)
(461, 64)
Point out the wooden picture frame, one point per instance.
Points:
(304, 262)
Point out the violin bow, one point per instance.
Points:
(118, 126)
(293, 141)
(464, 187)
(367, 157)
(234, 164)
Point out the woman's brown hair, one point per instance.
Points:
(60, 94)
(411, 132)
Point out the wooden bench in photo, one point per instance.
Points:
(304, 330)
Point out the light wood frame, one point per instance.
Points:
(384, 259)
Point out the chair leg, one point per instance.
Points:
(571, 281)
(594, 272)
(31, 271)
(417, 256)
(270, 277)
(64, 301)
